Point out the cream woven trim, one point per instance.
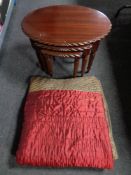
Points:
(114, 150)
(90, 84)
(82, 84)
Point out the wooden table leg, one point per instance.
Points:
(92, 54)
(76, 65)
(41, 60)
(49, 63)
(40, 56)
(85, 58)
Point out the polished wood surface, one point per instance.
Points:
(92, 54)
(62, 54)
(66, 25)
(85, 60)
(63, 48)
(46, 58)
(76, 65)
(66, 31)
(47, 55)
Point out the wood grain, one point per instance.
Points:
(66, 25)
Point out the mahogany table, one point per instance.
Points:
(67, 31)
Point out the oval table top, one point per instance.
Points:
(66, 25)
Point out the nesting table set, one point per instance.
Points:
(66, 31)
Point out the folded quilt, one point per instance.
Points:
(66, 124)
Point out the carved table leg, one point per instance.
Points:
(85, 58)
(49, 63)
(76, 65)
(41, 60)
(39, 54)
(92, 54)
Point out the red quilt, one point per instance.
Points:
(65, 128)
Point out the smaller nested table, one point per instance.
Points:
(67, 31)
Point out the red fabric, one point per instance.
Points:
(65, 128)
